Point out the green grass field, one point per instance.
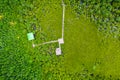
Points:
(86, 46)
(86, 50)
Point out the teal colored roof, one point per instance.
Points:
(30, 36)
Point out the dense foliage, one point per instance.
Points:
(87, 55)
(105, 13)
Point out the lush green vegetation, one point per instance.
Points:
(92, 40)
(105, 13)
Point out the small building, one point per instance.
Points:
(58, 51)
(30, 36)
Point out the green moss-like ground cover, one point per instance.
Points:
(86, 47)
(82, 41)
(87, 53)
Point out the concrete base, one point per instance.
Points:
(58, 51)
(61, 41)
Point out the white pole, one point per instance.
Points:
(45, 43)
(63, 19)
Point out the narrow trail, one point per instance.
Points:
(54, 41)
(63, 19)
(60, 40)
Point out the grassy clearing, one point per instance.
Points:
(81, 42)
(86, 48)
